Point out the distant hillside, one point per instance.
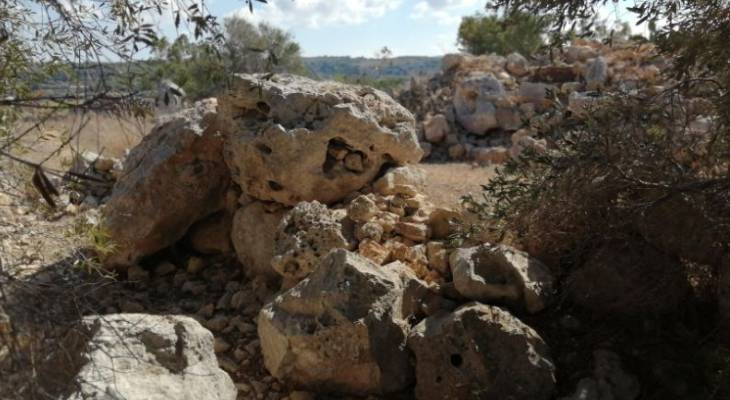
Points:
(396, 67)
(382, 74)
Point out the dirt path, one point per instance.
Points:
(446, 183)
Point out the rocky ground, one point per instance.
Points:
(282, 241)
(46, 285)
(489, 108)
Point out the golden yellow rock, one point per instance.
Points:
(374, 251)
(413, 231)
(438, 257)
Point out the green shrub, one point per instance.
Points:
(483, 34)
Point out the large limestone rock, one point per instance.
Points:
(138, 357)
(474, 102)
(173, 178)
(628, 279)
(296, 139)
(504, 274)
(306, 234)
(480, 352)
(341, 330)
(253, 235)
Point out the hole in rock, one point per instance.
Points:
(263, 107)
(387, 165)
(337, 149)
(263, 148)
(456, 360)
(275, 186)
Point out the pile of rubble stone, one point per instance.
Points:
(490, 108)
(310, 186)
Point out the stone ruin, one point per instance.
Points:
(312, 187)
(488, 109)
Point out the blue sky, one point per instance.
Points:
(362, 27)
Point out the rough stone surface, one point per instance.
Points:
(336, 137)
(341, 330)
(406, 175)
(630, 279)
(212, 235)
(253, 234)
(362, 209)
(517, 64)
(173, 178)
(609, 381)
(474, 102)
(139, 357)
(502, 273)
(480, 351)
(435, 128)
(535, 91)
(596, 73)
(491, 155)
(306, 234)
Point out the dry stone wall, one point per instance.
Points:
(487, 109)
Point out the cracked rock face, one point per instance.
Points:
(306, 234)
(341, 330)
(139, 357)
(480, 352)
(173, 178)
(294, 139)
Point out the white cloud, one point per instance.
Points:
(319, 13)
(443, 12)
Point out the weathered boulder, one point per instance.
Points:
(628, 279)
(504, 274)
(137, 357)
(407, 175)
(535, 91)
(474, 102)
(596, 73)
(253, 234)
(517, 64)
(341, 330)
(578, 53)
(212, 235)
(452, 61)
(173, 178)
(295, 139)
(306, 234)
(480, 351)
(435, 128)
(554, 74)
(609, 381)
